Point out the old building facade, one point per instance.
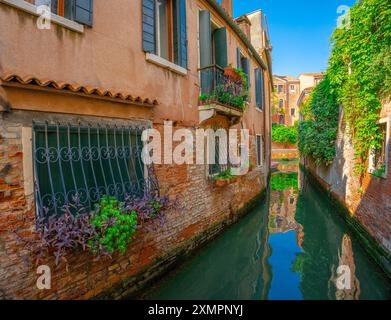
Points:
(288, 92)
(77, 94)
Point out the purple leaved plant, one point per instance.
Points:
(59, 235)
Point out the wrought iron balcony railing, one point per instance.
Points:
(221, 86)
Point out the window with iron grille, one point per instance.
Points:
(87, 162)
(220, 162)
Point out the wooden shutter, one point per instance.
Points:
(149, 26)
(205, 35)
(258, 93)
(183, 38)
(246, 69)
(262, 88)
(83, 11)
(239, 62)
(220, 42)
(180, 33)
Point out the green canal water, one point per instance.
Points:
(288, 247)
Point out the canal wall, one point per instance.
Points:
(366, 203)
(284, 151)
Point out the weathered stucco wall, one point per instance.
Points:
(370, 202)
(109, 55)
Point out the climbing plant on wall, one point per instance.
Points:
(318, 130)
(358, 77)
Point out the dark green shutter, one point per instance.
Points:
(258, 99)
(246, 69)
(149, 26)
(180, 33)
(239, 62)
(220, 42)
(205, 39)
(83, 11)
(259, 88)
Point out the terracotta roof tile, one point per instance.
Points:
(77, 88)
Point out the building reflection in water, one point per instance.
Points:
(346, 258)
(285, 235)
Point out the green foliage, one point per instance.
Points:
(115, 224)
(379, 172)
(359, 78)
(225, 175)
(318, 130)
(281, 133)
(282, 181)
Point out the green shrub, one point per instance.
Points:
(283, 134)
(318, 131)
(115, 224)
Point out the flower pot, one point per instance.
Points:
(222, 183)
(230, 73)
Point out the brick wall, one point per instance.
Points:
(207, 211)
(369, 202)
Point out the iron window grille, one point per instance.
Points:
(216, 166)
(88, 162)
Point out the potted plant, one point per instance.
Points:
(233, 74)
(223, 179)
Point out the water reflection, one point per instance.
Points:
(350, 289)
(285, 237)
(289, 247)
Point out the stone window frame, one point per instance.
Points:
(371, 167)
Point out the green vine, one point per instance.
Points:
(358, 78)
(318, 130)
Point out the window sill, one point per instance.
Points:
(258, 109)
(33, 9)
(153, 58)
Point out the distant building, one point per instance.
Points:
(289, 93)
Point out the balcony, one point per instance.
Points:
(223, 92)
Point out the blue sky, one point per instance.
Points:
(300, 31)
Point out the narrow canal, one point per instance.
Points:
(289, 247)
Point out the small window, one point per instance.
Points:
(281, 103)
(280, 88)
(378, 160)
(163, 25)
(170, 30)
(293, 112)
(216, 165)
(80, 11)
(293, 88)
